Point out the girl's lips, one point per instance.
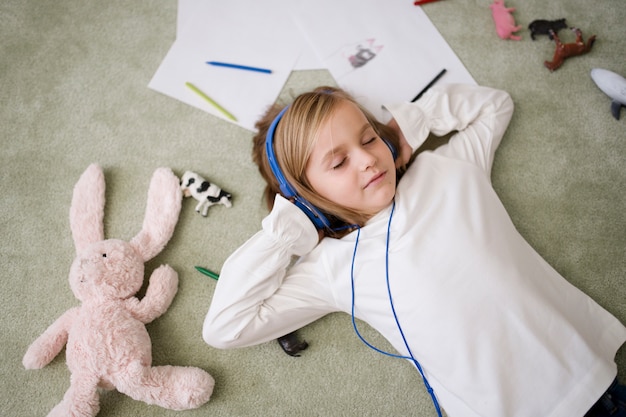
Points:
(376, 179)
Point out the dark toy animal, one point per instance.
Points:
(566, 50)
(543, 27)
(291, 345)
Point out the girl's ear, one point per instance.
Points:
(87, 210)
(162, 210)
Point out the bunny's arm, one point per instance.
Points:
(159, 295)
(47, 346)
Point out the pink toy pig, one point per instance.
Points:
(505, 24)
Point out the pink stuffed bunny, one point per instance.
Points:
(505, 24)
(107, 342)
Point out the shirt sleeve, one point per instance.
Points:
(479, 115)
(254, 300)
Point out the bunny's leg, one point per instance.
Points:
(172, 387)
(81, 399)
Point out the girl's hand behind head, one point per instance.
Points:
(321, 234)
(405, 151)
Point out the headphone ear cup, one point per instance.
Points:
(392, 148)
(313, 213)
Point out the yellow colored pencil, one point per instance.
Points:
(211, 101)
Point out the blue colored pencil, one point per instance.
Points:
(241, 67)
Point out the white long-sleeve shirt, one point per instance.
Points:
(497, 331)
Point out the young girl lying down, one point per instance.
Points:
(431, 260)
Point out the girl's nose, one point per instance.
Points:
(366, 160)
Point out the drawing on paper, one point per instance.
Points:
(361, 53)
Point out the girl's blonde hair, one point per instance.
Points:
(294, 139)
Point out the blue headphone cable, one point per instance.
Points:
(395, 316)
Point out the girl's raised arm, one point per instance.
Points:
(479, 114)
(254, 302)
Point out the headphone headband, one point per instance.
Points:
(285, 188)
(313, 213)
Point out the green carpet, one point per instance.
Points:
(74, 91)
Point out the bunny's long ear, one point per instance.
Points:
(162, 210)
(87, 210)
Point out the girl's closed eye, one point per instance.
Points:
(370, 140)
(339, 163)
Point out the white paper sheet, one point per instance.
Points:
(307, 59)
(381, 52)
(235, 32)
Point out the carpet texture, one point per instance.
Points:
(74, 91)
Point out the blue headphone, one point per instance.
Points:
(288, 191)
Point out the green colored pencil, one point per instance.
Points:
(211, 101)
(207, 272)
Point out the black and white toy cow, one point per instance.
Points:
(193, 185)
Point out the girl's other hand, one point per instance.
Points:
(405, 151)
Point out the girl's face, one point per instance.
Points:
(350, 164)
